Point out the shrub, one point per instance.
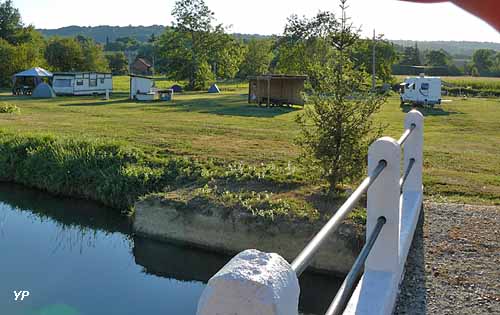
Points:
(6, 108)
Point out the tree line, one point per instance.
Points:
(484, 62)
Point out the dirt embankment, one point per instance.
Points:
(218, 230)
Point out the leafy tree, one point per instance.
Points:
(194, 46)
(438, 58)
(305, 47)
(93, 55)
(257, 59)
(385, 57)
(338, 127)
(64, 54)
(21, 47)
(17, 58)
(10, 22)
(118, 63)
(75, 54)
(122, 44)
(485, 61)
(203, 76)
(226, 55)
(411, 56)
(193, 23)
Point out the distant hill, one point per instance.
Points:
(100, 33)
(455, 48)
(143, 33)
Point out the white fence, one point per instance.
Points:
(257, 283)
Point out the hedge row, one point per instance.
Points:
(110, 173)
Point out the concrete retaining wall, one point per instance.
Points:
(215, 230)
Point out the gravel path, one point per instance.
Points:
(454, 263)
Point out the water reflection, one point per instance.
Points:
(76, 257)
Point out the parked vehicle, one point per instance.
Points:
(421, 90)
(82, 83)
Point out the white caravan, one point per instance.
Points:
(82, 83)
(421, 90)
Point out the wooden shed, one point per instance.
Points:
(276, 89)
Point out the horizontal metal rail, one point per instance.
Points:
(343, 295)
(306, 256)
(406, 134)
(407, 173)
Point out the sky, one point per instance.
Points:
(395, 19)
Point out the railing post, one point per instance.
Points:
(252, 283)
(383, 201)
(413, 149)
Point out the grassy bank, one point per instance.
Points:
(117, 175)
(462, 140)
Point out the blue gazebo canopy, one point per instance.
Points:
(34, 72)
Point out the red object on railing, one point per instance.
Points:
(488, 10)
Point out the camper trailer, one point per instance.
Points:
(421, 90)
(82, 83)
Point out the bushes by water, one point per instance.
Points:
(110, 173)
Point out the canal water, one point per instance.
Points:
(77, 258)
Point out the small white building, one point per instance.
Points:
(143, 88)
(421, 90)
(82, 83)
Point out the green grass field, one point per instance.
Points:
(462, 137)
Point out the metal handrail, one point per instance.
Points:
(304, 259)
(406, 134)
(407, 173)
(342, 298)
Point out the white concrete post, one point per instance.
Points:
(414, 149)
(383, 200)
(252, 283)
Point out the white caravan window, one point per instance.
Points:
(425, 86)
(62, 83)
(102, 81)
(93, 82)
(79, 82)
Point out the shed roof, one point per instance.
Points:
(278, 76)
(34, 72)
(72, 74)
(144, 62)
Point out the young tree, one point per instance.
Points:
(338, 127)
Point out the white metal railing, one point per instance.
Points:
(259, 283)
